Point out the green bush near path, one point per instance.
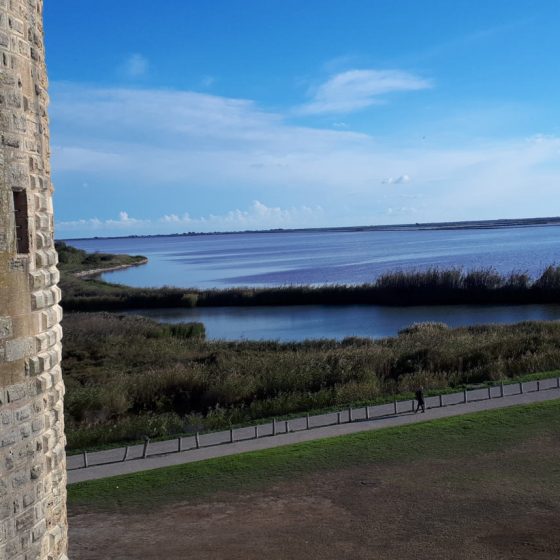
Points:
(462, 436)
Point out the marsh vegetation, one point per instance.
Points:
(128, 376)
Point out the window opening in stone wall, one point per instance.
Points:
(21, 217)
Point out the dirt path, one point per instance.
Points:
(496, 506)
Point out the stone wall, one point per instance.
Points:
(32, 459)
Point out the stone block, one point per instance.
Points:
(39, 530)
(28, 500)
(36, 471)
(42, 342)
(16, 392)
(38, 300)
(31, 390)
(26, 452)
(37, 425)
(8, 438)
(6, 328)
(19, 348)
(6, 418)
(25, 521)
(44, 381)
(25, 430)
(33, 367)
(23, 413)
(5, 511)
(38, 280)
(19, 479)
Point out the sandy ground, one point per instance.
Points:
(498, 506)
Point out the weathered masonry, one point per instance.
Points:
(32, 459)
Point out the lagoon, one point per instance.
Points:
(324, 257)
(298, 323)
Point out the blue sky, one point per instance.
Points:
(187, 115)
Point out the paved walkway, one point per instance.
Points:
(103, 464)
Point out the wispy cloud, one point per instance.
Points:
(207, 81)
(353, 90)
(205, 146)
(135, 66)
(401, 179)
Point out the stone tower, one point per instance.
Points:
(32, 459)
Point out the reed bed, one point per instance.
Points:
(428, 287)
(128, 376)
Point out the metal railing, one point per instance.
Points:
(276, 428)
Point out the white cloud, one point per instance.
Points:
(135, 66)
(258, 216)
(124, 222)
(401, 179)
(357, 89)
(201, 147)
(180, 137)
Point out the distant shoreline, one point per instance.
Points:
(431, 226)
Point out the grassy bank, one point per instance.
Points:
(72, 260)
(465, 436)
(127, 376)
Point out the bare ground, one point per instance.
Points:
(498, 506)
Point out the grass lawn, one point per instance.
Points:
(440, 440)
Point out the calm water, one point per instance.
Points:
(320, 257)
(317, 321)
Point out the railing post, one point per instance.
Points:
(197, 440)
(85, 460)
(125, 453)
(350, 417)
(307, 421)
(145, 450)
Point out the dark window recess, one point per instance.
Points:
(22, 229)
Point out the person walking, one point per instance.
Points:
(420, 400)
